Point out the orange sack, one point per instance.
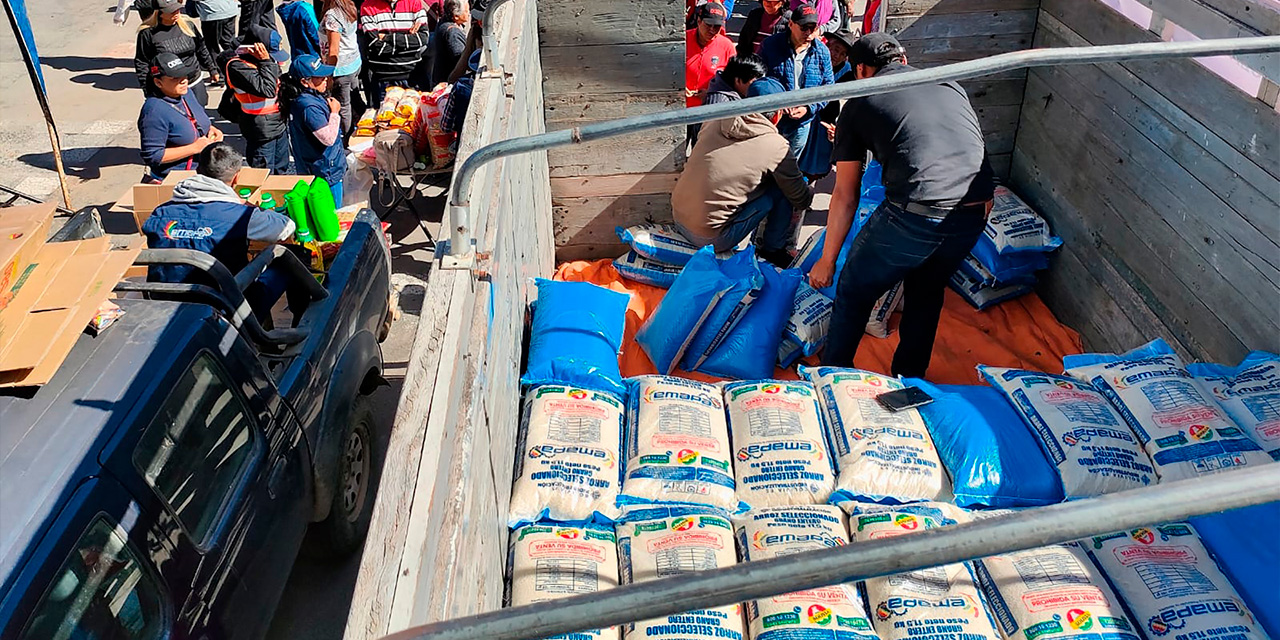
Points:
(1021, 333)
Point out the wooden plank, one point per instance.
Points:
(1162, 268)
(627, 184)
(607, 70)
(573, 109)
(984, 92)
(658, 150)
(934, 51)
(959, 25)
(1000, 141)
(1250, 189)
(940, 7)
(1186, 218)
(1234, 116)
(618, 22)
(1257, 14)
(1250, 223)
(1207, 22)
(584, 227)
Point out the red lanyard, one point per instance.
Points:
(186, 111)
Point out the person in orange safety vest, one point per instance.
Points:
(253, 84)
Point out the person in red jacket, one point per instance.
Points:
(706, 51)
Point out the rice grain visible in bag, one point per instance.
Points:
(780, 447)
(677, 444)
(551, 562)
(881, 456)
(1172, 585)
(834, 612)
(1092, 447)
(672, 541)
(567, 467)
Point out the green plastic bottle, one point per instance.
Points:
(323, 210)
(245, 192)
(295, 203)
(268, 202)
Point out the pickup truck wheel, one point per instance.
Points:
(344, 530)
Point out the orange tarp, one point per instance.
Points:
(1020, 333)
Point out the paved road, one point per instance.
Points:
(88, 67)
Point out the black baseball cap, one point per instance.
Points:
(844, 37)
(712, 13)
(170, 65)
(876, 49)
(169, 6)
(805, 14)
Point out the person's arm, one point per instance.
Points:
(792, 183)
(260, 81)
(750, 29)
(325, 126)
(471, 43)
(154, 151)
(142, 58)
(334, 41)
(844, 202)
(270, 226)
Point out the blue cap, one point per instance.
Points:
(764, 87)
(309, 66)
(273, 46)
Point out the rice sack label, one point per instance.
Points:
(1052, 593)
(658, 242)
(834, 612)
(634, 266)
(677, 444)
(939, 603)
(672, 541)
(1183, 429)
(568, 464)
(1250, 394)
(1013, 226)
(1092, 446)
(550, 562)
(882, 456)
(1172, 586)
(878, 323)
(780, 451)
(810, 317)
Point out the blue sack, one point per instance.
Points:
(576, 336)
(751, 348)
(744, 271)
(1239, 542)
(1009, 267)
(695, 292)
(660, 242)
(993, 458)
(811, 252)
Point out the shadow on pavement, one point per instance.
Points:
(85, 63)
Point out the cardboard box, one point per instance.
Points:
(146, 197)
(277, 186)
(23, 231)
(53, 303)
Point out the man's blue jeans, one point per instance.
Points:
(797, 135)
(896, 246)
(769, 206)
(270, 154)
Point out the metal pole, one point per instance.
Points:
(1027, 529)
(491, 38)
(460, 199)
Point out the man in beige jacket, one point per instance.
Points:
(739, 175)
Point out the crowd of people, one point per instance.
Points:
(752, 175)
(297, 109)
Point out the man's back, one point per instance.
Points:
(927, 138)
(732, 160)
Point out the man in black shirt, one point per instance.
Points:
(938, 191)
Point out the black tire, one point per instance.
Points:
(343, 531)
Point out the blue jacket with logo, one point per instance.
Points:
(778, 58)
(206, 215)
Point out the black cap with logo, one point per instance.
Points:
(876, 49)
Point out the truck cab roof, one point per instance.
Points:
(49, 436)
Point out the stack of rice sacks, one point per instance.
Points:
(678, 493)
(1003, 265)
(564, 501)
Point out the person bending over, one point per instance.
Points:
(938, 192)
(739, 175)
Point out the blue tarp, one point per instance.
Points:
(25, 38)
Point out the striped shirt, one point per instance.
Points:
(393, 51)
(377, 16)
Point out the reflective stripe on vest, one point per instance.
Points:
(251, 104)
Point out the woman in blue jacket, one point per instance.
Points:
(174, 128)
(315, 131)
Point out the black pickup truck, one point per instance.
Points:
(161, 485)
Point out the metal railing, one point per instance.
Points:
(1027, 529)
(460, 251)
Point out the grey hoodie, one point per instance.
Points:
(264, 225)
(720, 91)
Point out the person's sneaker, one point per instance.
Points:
(776, 257)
